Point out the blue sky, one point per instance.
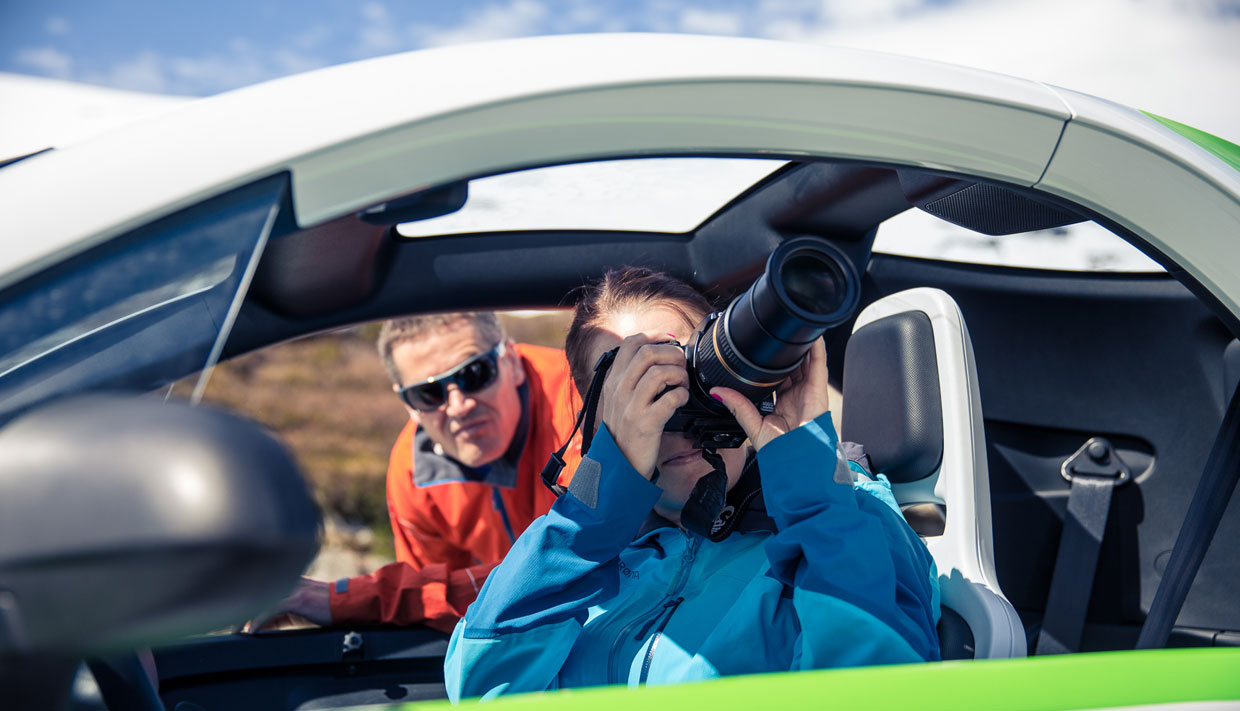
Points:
(199, 48)
(1180, 58)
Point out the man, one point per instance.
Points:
(463, 479)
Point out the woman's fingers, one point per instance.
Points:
(657, 379)
(805, 395)
(814, 370)
(647, 383)
(637, 354)
(801, 398)
(666, 405)
(747, 416)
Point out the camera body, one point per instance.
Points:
(762, 337)
(705, 420)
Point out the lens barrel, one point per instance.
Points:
(808, 287)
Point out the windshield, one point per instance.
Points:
(136, 312)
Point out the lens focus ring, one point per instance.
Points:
(718, 364)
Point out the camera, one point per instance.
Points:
(755, 343)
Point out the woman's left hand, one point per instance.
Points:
(799, 399)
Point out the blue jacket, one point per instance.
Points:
(580, 601)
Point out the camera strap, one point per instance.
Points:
(708, 498)
(706, 501)
(586, 416)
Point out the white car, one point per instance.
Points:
(354, 193)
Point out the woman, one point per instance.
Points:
(608, 588)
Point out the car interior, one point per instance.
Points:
(978, 389)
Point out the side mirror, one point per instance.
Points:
(126, 522)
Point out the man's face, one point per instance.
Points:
(472, 428)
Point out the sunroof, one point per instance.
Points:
(639, 194)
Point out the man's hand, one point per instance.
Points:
(647, 383)
(800, 399)
(310, 601)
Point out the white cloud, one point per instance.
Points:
(46, 60)
(584, 18)
(57, 26)
(287, 61)
(377, 34)
(145, 71)
(375, 12)
(240, 64)
(848, 12)
(1178, 58)
(710, 22)
(312, 37)
(517, 18)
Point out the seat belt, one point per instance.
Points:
(1214, 490)
(1094, 471)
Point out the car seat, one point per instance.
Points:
(911, 400)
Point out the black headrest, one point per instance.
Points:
(891, 391)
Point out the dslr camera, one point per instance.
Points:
(755, 343)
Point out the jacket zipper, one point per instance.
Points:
(498, 501)
(669, 610)
(682, 577)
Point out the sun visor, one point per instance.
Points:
(982, 207)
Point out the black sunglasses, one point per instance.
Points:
(473, 375)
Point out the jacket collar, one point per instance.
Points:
(743, 512)
(745, 507)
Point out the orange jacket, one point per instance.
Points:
(449, 535)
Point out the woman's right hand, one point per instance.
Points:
(637, 401)
(801, 398)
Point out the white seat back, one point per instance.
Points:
(907, 351)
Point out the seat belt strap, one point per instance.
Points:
(1214, 490)
(1094, 471)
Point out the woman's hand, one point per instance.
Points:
(647, 383)
(799, 399)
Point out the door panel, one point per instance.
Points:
(303, 669)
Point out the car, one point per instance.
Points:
(345, 195)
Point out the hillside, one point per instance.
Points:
(328, 398)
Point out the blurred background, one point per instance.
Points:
(71, 69)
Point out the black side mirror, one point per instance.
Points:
(126, 522)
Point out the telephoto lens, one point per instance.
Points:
(764, 334)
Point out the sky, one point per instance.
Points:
(1179, 58)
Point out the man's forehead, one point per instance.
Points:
(438, 350)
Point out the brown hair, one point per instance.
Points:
(409, 328)
(621, 290)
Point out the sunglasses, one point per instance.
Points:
(477, 373)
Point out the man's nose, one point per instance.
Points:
(458, 402)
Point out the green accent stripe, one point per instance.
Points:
(1070, 681)
(1229, 152)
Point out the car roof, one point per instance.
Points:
(355, 135)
